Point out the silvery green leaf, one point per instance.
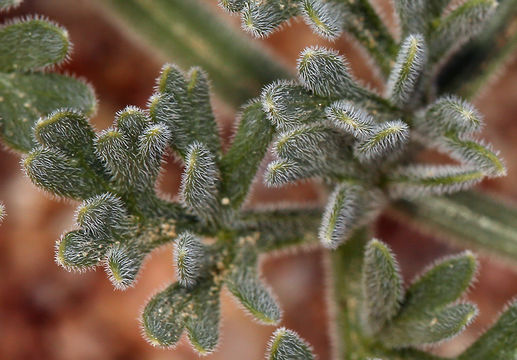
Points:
(287, 345)
(407, 69)
(382, 284)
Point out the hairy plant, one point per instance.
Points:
(365, 148)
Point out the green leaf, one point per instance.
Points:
(168, 313)
(199, 182)
(287, 345)
(32, 44)
(25, 97)
(289, 104)
(203, 325)
(443, 283)
(497, 343)
(325, 18)
(451, 113)
(233, 5)
(104, 216)
(262, 18)
(281, 172)
(386, 141)
(407, 69)
(326, 73)
(347, 117)
(340, 216)
(78, 250)
(428, 327)
(241, 162)
(68, 131)
(416, 181)
(382, 284)
(316, 149)
(474, 153)
(61, 175)
(183, 104)
(244, 283)
(189, 256)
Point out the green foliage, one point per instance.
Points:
(327, 18)
(330, 127)
(27, 92)
(425, 315)
(286, 344)
(122, 218)
(382, 285)
(325, 125)
(427, 312)
(499, 342)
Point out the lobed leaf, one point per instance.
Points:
(183, 104)
(169, 312)
(428, 327)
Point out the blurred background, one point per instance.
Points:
(47, 313)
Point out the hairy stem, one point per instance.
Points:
(370, 31)
(345, 266)
(184, 30)
(469, 218)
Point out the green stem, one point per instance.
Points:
(283, 228)
(345, 265)
(469, 218)
(187, 32)
(370, 31)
